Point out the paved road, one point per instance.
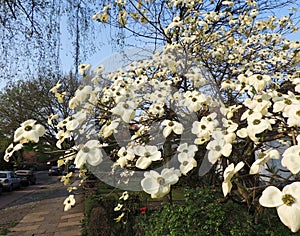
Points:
(43, 182)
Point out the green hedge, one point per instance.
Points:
(205, 213)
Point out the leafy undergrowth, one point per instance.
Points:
(198, 212)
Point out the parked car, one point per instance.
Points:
(27, 177)
(71, 168)
(9, 180)
(55, 170)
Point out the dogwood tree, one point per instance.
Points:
(225, 81)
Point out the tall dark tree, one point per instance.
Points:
(31, 99)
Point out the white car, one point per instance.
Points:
(9, 180)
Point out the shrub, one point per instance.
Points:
(204, 212)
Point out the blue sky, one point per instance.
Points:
(111, 58)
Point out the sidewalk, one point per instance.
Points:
(47, 218)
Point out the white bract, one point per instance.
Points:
(218, 147)
(11, 149)
(287, 203)
(263, 158)
(146, 154)
(126, 110)
(171, 126)
(186, 157)
(159, 185)
(90, 153)
(291, 159)
(69, 202)
(229, 172)
(29, 132)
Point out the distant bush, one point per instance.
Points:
(203, 214)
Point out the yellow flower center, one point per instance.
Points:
(171, 123)
(298, 113)
(288, 199)
(259, 77)
(185, 163)
(28, 128)
(261, 155)
(287, 101)
(203, 127)
(125, 105)
(161, 180)
(256, 122)
(85, 149)
(147, 154)
(218, 148)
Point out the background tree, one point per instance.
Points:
(33, 33)
(32, 99)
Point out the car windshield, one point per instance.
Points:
(2, 175)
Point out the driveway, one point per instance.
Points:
(43, 181)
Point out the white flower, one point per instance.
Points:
(124, 196)
(229, 172)
(158, 185)
(204, 128)
(83, 68)
(218, 147)
(291, 159)
(61, 136)
(259, 82)
(11, 149)
(119, 218)
(29, 131)
(69, 202)
(195, 101)
(90, 153)
(186, 157)
(229, 125)
(260, 103)
(229, 111)
(118, 207)
(157, 109)
(66, 178)
(287, 203)
(174, 126)
(56, 87)
(51, 118)
(124, 156)
(262, 159)
(146, 154)
(293, 114)
(186, 148)
(187, 162)
(74, 121)
(80, 96)
(126, 110)
(109, 128)
(256, 125)
(60, 96)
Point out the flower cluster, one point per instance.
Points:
(223, 87)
